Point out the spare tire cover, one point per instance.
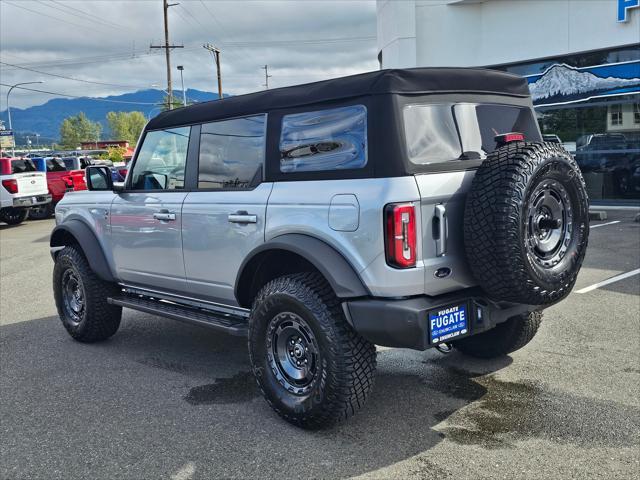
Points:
(526, 223)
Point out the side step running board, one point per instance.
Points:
(222, 322)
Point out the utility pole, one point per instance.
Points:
(167, 48)
(266, 77)
(215, 51)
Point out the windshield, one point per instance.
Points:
(445, 132)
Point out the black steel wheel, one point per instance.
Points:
(293, 352)
(549, 224)
(311, 366)
(13, 216)
(81, 298)
(73, 296)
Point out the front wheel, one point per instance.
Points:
(13, 216)
(311, 366)
(505, 338)
(81, 298)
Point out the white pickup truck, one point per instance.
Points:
(23, 187)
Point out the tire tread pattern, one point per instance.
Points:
(102, 319)
(505, 338)
(494, 215)
(352, 358)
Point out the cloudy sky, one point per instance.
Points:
(106, 44)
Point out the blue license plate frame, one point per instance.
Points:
(448, 322)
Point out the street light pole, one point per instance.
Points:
(13, 149)
(184, 93)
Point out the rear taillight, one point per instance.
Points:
(400, 235)
(10, 185)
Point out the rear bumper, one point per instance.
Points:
(405, 323)
(31, 200)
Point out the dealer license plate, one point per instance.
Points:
(446, 323)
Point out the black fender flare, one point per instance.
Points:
(327, 260)
(84, 236)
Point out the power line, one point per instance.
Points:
(85, 27)
(96, 21)
(70, 78)
(91, 16)
(311, 41)
(78, 96)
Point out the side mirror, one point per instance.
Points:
(98, 178)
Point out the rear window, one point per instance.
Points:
(56, 165)
(22, 166)
(437, 133)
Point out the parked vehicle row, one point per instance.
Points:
(23, 187)
(32, 187)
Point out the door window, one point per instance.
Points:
(232, 153)
(161, 162)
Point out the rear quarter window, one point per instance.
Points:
(333, 139)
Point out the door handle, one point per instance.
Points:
(165, 216)
(242, 217)
(441, 241)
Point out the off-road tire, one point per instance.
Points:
(500, 246)
(502, 340)
(99, 320)
(13, 216)
(346, 362)
(41, 212)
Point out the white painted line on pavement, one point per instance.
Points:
(622, 276)
(603, 224)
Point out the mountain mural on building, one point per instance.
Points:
(46, 119)
(562, 83)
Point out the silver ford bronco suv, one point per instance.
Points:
(413, 208)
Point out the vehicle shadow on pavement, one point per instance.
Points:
(160, 395)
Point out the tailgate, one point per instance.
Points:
(442, 201)
(32, 183)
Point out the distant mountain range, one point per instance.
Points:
(564, 83)
(45, 119)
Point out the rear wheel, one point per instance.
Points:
(13, 216)
(505, 338)
(81, 298)
(41, 212)
(311, 366)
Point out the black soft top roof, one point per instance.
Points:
(414, 81)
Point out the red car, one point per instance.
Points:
(59, 181)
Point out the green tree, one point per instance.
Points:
(126, 125)
(77, 129)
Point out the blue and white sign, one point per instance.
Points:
(624, 6)
(561, 84)
(447, 323)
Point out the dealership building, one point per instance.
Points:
(580, 57)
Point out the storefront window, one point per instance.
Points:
(591, 101)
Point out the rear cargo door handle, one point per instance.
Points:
(242, 217)
(165, 216)
(441, 240)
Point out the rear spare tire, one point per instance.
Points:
(527, 223)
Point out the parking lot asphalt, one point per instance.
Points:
(167, 400)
